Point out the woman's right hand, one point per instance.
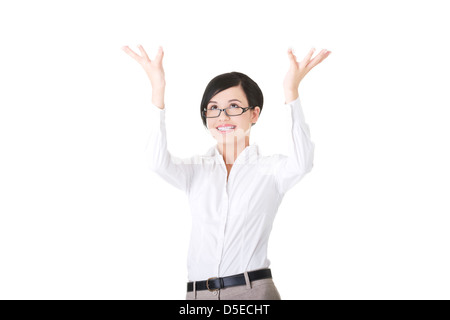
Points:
(153, 68)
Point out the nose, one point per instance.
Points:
(223, 115)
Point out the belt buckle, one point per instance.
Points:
(207, 285)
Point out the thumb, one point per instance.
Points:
(160, 54)
(291, 56)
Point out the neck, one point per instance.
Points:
(230, 151)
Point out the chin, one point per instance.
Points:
(230, 139)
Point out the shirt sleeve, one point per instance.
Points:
(290, 169)
(174, 170)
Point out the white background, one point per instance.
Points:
(81, 215)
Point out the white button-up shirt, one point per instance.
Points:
(231, 219)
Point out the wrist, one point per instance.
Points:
(158, 103)
(158, 97)
(290, 95)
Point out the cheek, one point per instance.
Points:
(245, 123)
(211, 127)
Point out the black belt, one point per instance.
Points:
(213, 284)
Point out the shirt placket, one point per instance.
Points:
(223, 218)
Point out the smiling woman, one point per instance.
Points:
(251, 93)
(230, 124)
(231, 226)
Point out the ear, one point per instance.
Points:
(255, 114)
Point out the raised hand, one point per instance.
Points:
(298, 70)
(154, 70)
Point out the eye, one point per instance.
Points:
(212, 108)
(235, 105)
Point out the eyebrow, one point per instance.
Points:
(228, 101)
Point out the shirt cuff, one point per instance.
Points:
(157, 115)
(296, 110)
(293, 101)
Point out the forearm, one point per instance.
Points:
(158, 96)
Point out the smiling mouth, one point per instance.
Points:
(225, 129)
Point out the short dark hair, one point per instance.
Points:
(231, 79)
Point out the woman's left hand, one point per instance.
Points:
(298, 70)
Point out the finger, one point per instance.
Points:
(131, 53)
(291, 56)
(319, 58)
(144, 54)
(308, 56)
(323, 55)
(159, 55)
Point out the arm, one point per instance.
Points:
(299, 161)
(160, 160)
(292, 168)
(174, 170)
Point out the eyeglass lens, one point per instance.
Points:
(232, 111)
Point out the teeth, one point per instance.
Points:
(225, 128)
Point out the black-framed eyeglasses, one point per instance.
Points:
(231, 111)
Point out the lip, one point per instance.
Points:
(226, 125)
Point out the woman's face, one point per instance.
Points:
(233, 96)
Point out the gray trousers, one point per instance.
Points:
(257, 290)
